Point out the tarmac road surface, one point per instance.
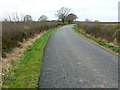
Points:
(71, 61)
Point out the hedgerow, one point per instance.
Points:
(15, 32)
(109, 32)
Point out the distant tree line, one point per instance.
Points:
(23, 18)
(63, 15)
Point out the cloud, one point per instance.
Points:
(105, 10)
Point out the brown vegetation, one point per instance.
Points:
(15, 32)
(109, 32)
(17, 52)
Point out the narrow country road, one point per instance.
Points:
(71, 61)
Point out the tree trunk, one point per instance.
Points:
(63, 21)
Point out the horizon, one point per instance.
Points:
(93, 9)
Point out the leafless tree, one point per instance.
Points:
(15, 17)
(22, 17)
(7, 18)
(62, 13)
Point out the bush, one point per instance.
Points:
(109, 32)
(15, 32)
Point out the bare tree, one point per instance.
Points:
(22, 17)
(27, 18)
(15, 17)
(43, 18)
(7, 18)
(62, 13)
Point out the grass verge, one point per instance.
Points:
(26, 70)
(100, 42)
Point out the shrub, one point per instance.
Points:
(104, 31)
(15, 32)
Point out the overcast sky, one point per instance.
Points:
(103, 10)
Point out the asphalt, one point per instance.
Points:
(71, 61)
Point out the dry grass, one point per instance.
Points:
(25, 71)
(110, 46)
(15, 32)
(17, 52)
(108, 32)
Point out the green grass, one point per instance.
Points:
(26, 70)
(100, 42)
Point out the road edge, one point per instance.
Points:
(44, 51)
(109, 50)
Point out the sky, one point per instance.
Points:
(102, 10)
